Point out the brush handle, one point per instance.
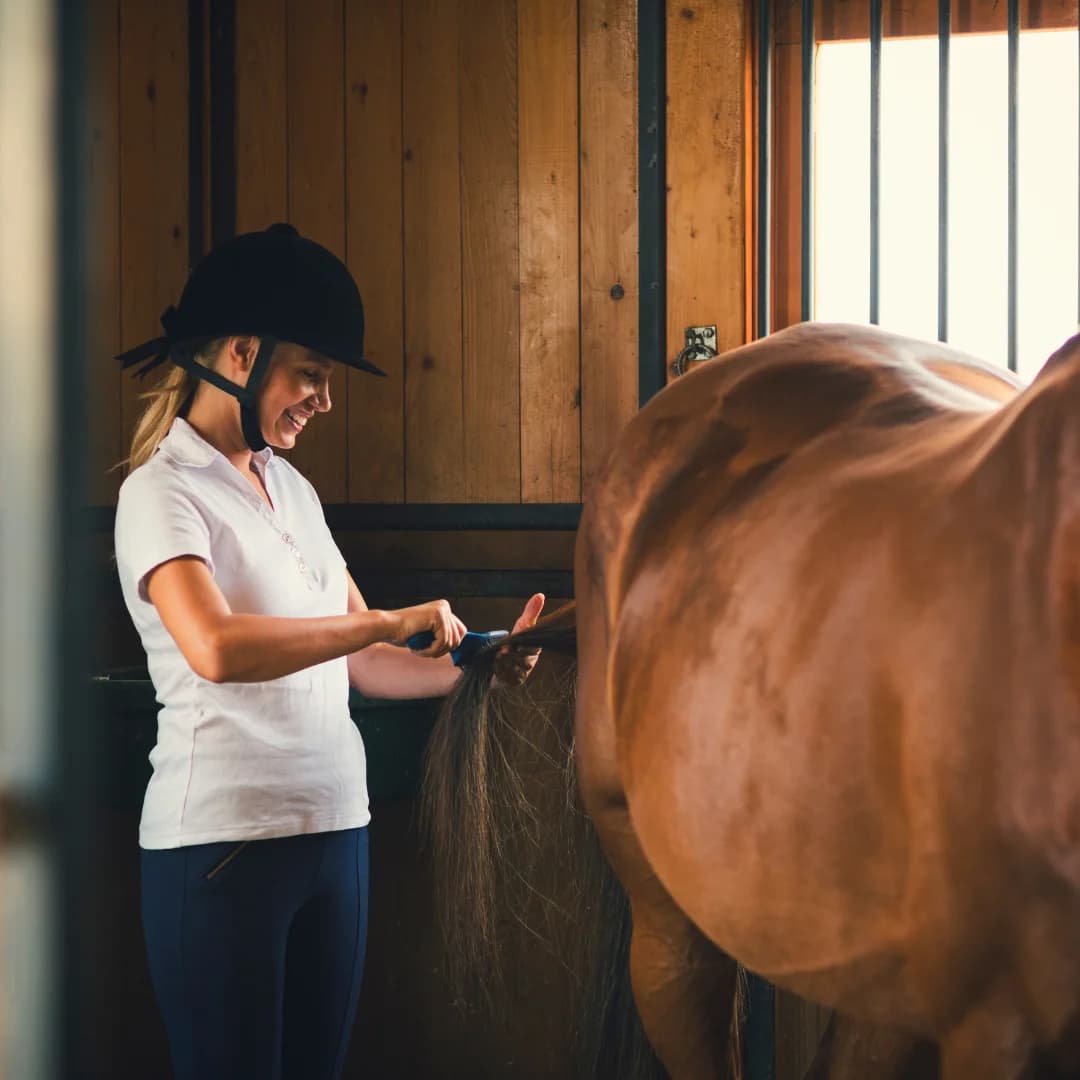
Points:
(471, 644)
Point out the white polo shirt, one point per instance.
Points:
(239, 761)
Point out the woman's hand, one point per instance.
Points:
(435, 616)
(514, 665)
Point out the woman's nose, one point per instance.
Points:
(321, 401)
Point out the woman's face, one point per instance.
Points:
(296, 387)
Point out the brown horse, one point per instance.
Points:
(828, 630)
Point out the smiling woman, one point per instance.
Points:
(297, 388)
(253, 631)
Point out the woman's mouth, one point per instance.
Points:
(297, 424)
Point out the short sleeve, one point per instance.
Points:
(156, 520)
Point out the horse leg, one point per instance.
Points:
(855, 1050)
(991, 1041)
(684, 987)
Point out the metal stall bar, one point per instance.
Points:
(78, 752)
(196, 143)
(222, 120)
(875, 160)
(944, 32)
(1014, 50)
(806, 253)
(652, 196)
(764, 160)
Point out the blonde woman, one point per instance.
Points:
(253, 832)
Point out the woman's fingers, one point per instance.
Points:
(530, 613)
(514, 664)
(436, 618)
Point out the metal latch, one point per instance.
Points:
(700, 345)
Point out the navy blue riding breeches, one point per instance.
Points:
(256, 951)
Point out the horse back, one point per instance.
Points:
(828, 564)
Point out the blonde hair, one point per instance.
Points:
(164, 403)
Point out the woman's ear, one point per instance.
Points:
(237, 358)
(247, 348)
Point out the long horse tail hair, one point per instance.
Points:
(513, 847)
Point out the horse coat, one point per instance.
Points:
(829, 634)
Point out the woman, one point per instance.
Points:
(254, 826)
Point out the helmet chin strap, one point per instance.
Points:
(248, 396)
(249, 404)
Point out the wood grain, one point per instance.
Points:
(434, 427)
(550, 272)
(153, 175)
(261, 116)
(316, 170)
(489, 253)
(609, 226)
(375, 245)
(706, 235)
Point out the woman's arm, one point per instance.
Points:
(387, 671)
(224, 647)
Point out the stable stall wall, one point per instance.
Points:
(476, 165)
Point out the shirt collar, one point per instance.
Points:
(187, 447)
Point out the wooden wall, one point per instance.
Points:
(708, 96)
(139, 222)
(475, 165)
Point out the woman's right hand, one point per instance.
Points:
(435, 616)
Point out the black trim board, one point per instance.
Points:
(196, 147)
(222, 120)
(413, 585)
(419, 517)
(553, 517)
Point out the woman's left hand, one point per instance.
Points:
(513, 665)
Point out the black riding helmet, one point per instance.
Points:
(275, 285)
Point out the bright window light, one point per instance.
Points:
(1047, 179)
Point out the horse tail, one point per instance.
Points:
(504, 846)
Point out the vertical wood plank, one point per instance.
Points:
(153, 174)
(316, 200)
(550, 272)
(706, 198)
(489, 228)
(103, 298)
(434, 431)
(609, 226)
(375, 245)
(786, 192)
(261, 123)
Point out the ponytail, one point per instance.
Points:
(165, 402)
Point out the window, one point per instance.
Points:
(977, 205)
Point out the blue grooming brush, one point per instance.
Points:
(471, 644)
